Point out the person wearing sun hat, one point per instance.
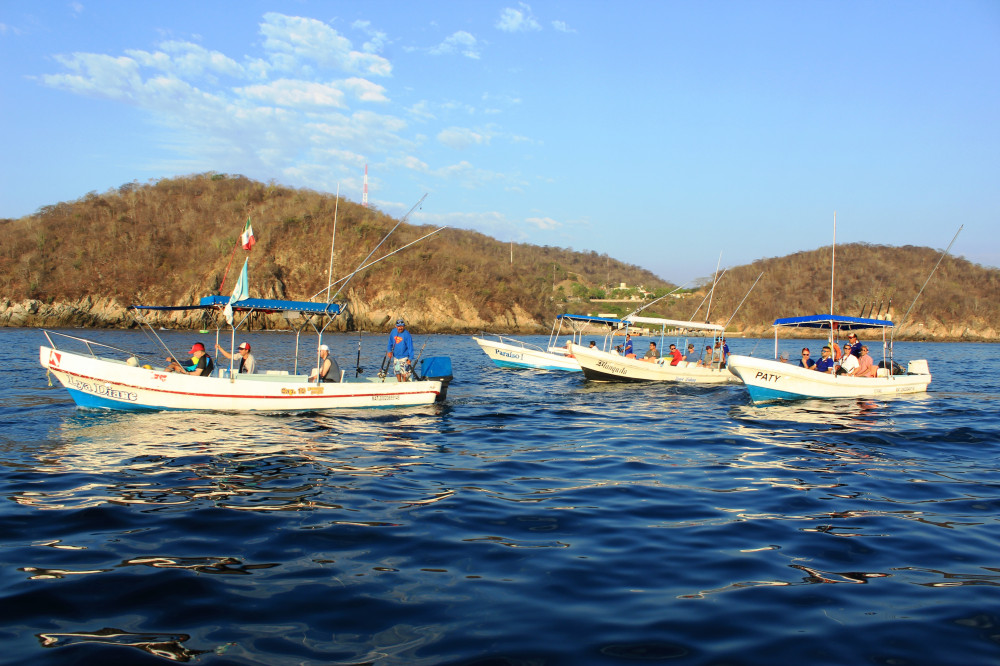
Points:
(199, 364)
(248, 364)
(400, 350)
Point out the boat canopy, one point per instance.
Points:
(833, 321)
(673, 323)
(248, 304)
(588, 318)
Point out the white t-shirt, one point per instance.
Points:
(849, 363)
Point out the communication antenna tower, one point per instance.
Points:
(364, 195)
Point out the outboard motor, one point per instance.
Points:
(895, 368)
(436, 368)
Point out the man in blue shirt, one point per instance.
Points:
(825, 364)
(400, 349)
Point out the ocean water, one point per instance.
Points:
(534, 518)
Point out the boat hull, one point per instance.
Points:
(603, 366)
(103, 383)
(767, 380)
(505, 355)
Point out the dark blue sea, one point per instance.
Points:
(532, 519)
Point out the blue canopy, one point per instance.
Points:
(260, 304)
(833, 321)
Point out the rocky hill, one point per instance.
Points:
(170, 242)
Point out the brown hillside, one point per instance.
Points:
(170, 242)
(962, 299)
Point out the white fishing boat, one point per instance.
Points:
(508, 352)
(99, 376)
(104, 377)
(611, 366)
(772, 379)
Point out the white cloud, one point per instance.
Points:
(292, 40)
(422, 110)
(365, 90)
(292, 93)
(560, 26)
(544, 223)
(460, 138)
(517, 20)
(460, 41)
(187, 59)
(376, 38)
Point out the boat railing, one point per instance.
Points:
(514, 342)
(89, 344)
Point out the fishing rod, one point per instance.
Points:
(401, 220)
(741, 302)
(714, 282)
(413, 366)
(940, 259)
(693, 314)
(643, 307)
(358, 369)
(346, 277)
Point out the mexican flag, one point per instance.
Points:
(247, 239)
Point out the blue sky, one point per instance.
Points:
(661, 133)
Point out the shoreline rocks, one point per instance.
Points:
(435, 317)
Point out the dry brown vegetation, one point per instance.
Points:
(170, 242)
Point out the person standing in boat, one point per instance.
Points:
(200, 363)
(855, 344)
(628, 352)
(248, 364)
(400, 350)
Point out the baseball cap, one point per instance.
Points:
(400, 322)
(245, 345)
(324, 348)
(197, 347)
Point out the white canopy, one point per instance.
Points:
(673, 323)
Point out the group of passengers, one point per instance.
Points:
(714, 357)
(854, 362)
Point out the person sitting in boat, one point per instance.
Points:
(826, 362)
(709, 359)
(400, 349)
(692, 355)
(866, 368)
(329, 369)
(199, 364)
(652, 354)
(593, 345)
(628, 351)
(805, 361)
(248, 364)
(848, 362)
(675, 355)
